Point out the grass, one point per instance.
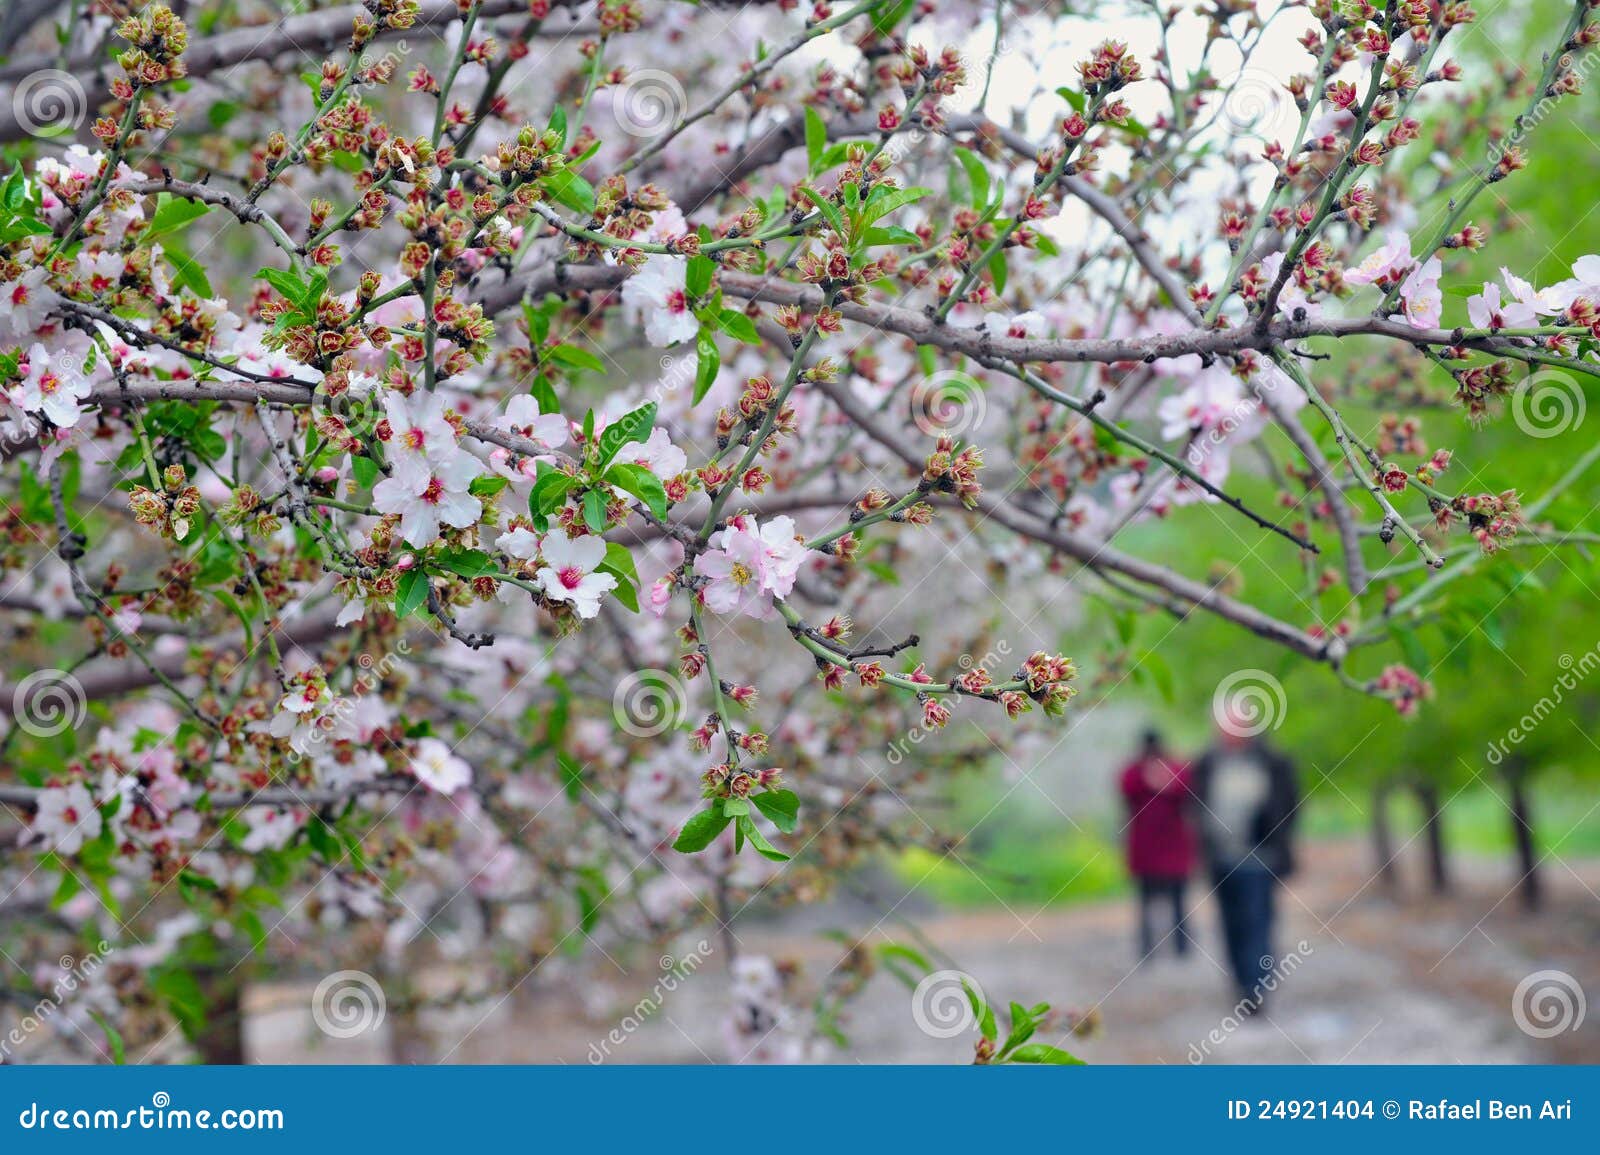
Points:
(1025, 864)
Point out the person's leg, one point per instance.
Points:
(1258, 958)
(1227, 889)
(1146, 931)
(1180, 928)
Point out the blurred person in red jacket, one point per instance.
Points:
(1161, 842)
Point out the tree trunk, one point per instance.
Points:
(1383, 840)
(409, 1044)
(1433, 829)
(221, 1040)
(1522, 831)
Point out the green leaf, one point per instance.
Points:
(187, 273)
(782, 808)
(14, 193)
(558, 123)
(469, 563)
(697, 280)
(886, 16)
(981, 1010)
(633, 426)
(734, 807)
(568, 188)
(571, 775)
(643, 484)
(623, 592)
(884, 201)
(759, 841)
(487, 486)
(706, 368)
(619, 564)
(366, 471)
(411, 592)
(827, 208)
(1045, 1053)
(544, 393)
(740, 327)
(893, 235)
(621, 561)
(1022, 1028)
(549, 490)
(977, 177)
(113, 1038)
(816, 139)
(701, 830)
(594, 511)
(575, 357)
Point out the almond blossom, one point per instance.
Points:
(568, 573)
(656, 295)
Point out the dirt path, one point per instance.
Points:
(1365, 978)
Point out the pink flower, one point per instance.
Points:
(1387, 263)
(568, 574)
(66, 817)
(737, 569)
(55, 392)
(1420, 294)
(24, 303)
(437, 767)
(657, 454)
(1486, 311)
(420, 438)
(522, 417)
(1545, 301)
(428, 499)
(785, 554)
(656, 294)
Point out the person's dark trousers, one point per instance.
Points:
(1154, 892)
(1244, 893)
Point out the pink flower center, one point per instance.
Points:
(570, 576)
(19, 296)
(740, 574)
(49, 383)
(677, 302)
(434, 492)
(414, 439)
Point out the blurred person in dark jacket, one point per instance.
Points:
(1161, 840)
(1245, 800)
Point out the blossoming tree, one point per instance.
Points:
(495, 475)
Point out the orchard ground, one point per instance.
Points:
(1405, 978)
